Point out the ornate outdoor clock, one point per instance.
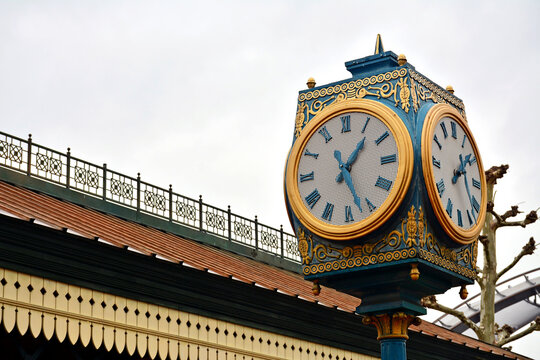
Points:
(350, 169)
(385, 189)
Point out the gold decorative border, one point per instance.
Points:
(394, 199)
(414, 87)
(360, 261)
(447, 264)
(356, 89)
(43, 307)
(413, 234)
(355, 85)
(435, 93)
(456, 233)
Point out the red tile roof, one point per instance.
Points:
(46, 210)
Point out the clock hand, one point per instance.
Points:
(461, 170)
(354, 154)
(469, 194)
(352, 158)
(348, 180)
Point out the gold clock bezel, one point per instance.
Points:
(397, 193)
(460, 235)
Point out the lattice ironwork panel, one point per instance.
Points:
(215, 220)
(86, 177)
(13, 152)
(121, 189)
(154, 200)
(290, 244)
(186, 210)
(269, 239)
(49, 164)
(243, 230)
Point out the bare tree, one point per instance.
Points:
(487, 330)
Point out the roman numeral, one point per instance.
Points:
(475, 205)
(325, 134)
(445, 132)
(345, 123)
(382, 137)
(348, 214)
(370, 205)
(470, 218)
(388, 159)
(328, 210)
(476, 183)
(459, 218)
(454, 129)
(312, 198)
(365, 125)
(306, 177)
(440, 187)
(472, 160)
(307, 153)
(464, 139)
(437, 141)
(436, 163)
(383, 183)
(449, 207)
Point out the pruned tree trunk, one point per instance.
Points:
(489, 273)
(487, 330)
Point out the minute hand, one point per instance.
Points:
(348, 180)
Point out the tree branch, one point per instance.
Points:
(535, 326)
(527, 249)
(500, 220)
(495, 172)
(431, 302)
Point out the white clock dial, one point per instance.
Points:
(456, 173)
(348, 168)
(453, 173)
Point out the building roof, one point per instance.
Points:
(45, 210)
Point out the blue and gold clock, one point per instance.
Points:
(349, 169)
(453, 174)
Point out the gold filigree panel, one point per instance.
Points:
(411, 240)
(71, 313)
(403, 86)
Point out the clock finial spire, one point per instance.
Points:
(378, 45)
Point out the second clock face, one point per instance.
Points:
(456, 173)
(348, 168)
(453, 173)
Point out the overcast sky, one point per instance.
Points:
(202, 95)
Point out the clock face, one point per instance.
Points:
(347, 170)
(453, 173)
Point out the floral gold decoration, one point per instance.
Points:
(392, 326)
(411, 240)
(400, 85)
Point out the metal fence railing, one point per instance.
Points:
(38, 161)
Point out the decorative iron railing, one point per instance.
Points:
(38, 161)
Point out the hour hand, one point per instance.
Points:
(352, 158)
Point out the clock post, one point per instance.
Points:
(385, 189)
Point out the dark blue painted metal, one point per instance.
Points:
(393, 349)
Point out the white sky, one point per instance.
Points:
(202, 95)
